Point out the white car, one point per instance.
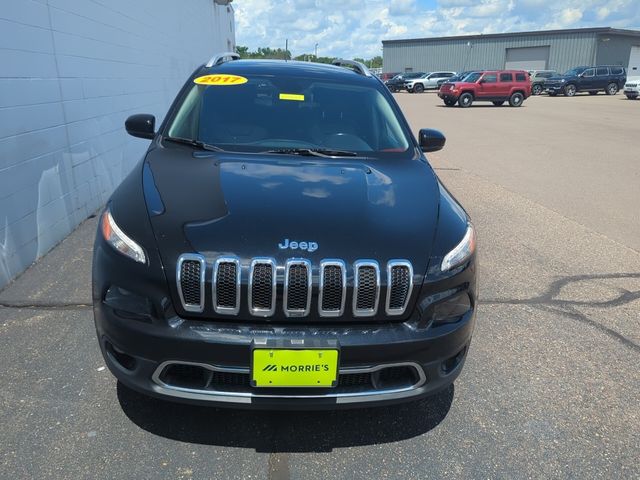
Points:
(426, 81)
(632, 88)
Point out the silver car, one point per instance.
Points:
(426, 82)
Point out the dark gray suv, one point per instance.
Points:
(608, 79)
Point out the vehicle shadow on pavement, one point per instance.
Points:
(285, 431)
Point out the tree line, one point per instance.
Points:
(282, 54)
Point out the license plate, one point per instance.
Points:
(272, 367)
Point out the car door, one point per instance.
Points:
(587, 80)
(504, 85)
(488, 86)
(602, 78)
(432, 80)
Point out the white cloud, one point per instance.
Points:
(352, 28)
(569, 16)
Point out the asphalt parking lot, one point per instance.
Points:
(550, 388)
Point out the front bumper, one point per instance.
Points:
(632, 92)
(555, 88)
(139, 354)
(448, 96)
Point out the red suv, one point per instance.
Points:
(497, 86)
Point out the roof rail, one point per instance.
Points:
(357, 66)
(221, 58)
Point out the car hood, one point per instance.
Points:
(558, 78)
(248, 205)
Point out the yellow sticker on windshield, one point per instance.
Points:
(292, 96)
(220, 79)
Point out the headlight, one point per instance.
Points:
(462, 251)
(118, 240)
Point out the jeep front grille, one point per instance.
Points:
(262, 287)
(399, 286)
(190, 272)
(226, 286)
(297, 288)
(333, 288)
(366, 288)
(297, 280)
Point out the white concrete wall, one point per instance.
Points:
(71, 71)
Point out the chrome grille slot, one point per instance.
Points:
(366, 288)
(226, 286)
(399, 286)
(333, 288)
(262, 287)
(297, 288)
(190, 281)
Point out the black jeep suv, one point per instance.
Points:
(284, 243)
(396, 83)
(609, 79)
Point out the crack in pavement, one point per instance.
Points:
(568, 308)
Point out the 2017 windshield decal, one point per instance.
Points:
(220, 80)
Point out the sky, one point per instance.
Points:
(356, 28)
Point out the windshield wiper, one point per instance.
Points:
(314, 152)
(194, 143)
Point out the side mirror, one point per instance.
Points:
(142, 126)
(431, 140)
(481, 80)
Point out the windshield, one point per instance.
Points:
(269, 113)
(414, 75)
(573, 72)
(473, 77)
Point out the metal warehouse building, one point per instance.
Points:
(553, 49)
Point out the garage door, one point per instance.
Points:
(634, 63)
(529, 58)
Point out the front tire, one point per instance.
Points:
(570, 91)
(516, 99)
(449, 103)
(418, 88)
(612, 89)
(465, 100)
(536, 89)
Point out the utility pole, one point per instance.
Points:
(286, 48)
(316, 52)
